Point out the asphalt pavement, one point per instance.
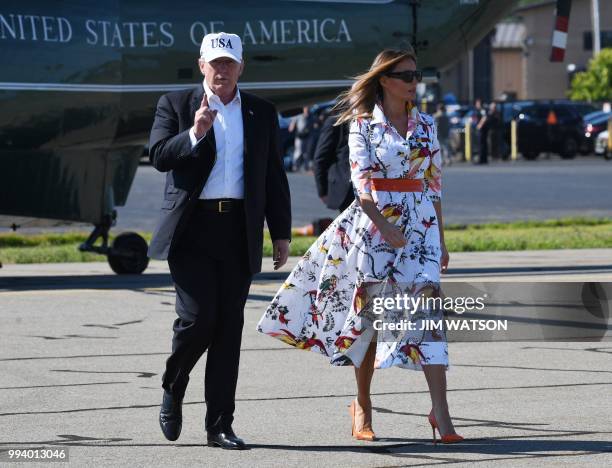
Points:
(82, 352)
(498, 192)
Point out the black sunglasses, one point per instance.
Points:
(407, 75)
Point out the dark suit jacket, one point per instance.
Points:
(331, 164)
(266, 190)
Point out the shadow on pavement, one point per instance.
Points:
(102, 282)
(160, 280)
(519, 447)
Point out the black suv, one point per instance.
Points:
(564, 135)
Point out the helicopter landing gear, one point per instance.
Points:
(128, 253)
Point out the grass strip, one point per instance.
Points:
(565, 233)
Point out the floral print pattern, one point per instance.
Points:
(322, 306)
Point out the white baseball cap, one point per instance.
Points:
(221, 44)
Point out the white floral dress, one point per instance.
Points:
(320, 305)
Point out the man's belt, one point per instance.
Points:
(220, 205)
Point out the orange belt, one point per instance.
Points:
(397, 185)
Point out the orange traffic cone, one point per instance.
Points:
(307, 230)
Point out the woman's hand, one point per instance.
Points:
(392, 235)
(444, 257)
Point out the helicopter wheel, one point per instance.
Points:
(128, 254)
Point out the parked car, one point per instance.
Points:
(322, 108)
(593, 115)
(601, 145)
(456, 117)
(536, 133)
(457, 120)
(511, 110)
(286, 142)
(594, 124)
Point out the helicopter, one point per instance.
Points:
(80, 80)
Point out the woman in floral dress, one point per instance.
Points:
(391, 235)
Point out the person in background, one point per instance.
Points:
(443, 127)
(480, 110)
(494, 122)
(490, 134)
(483, 134)
(332, 169)
(316, 123)
(300, 126)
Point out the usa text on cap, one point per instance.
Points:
(221, 44)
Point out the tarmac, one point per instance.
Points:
(82, 352)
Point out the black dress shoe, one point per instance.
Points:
(226, 439)
(171, 416)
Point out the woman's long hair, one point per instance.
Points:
(359, 101)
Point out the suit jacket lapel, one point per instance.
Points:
(196, 99)
(248, 126)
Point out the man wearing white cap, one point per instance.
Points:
(219, 147)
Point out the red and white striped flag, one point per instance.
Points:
(559, 38)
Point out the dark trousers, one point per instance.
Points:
(211, 276)
(484, 147)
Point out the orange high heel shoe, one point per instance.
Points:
(445, 439)
(366, 433)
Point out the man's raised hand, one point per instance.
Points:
(203, 119)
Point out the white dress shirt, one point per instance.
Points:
(226, 179)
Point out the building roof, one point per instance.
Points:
(509, 35)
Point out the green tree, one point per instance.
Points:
(595, 84)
